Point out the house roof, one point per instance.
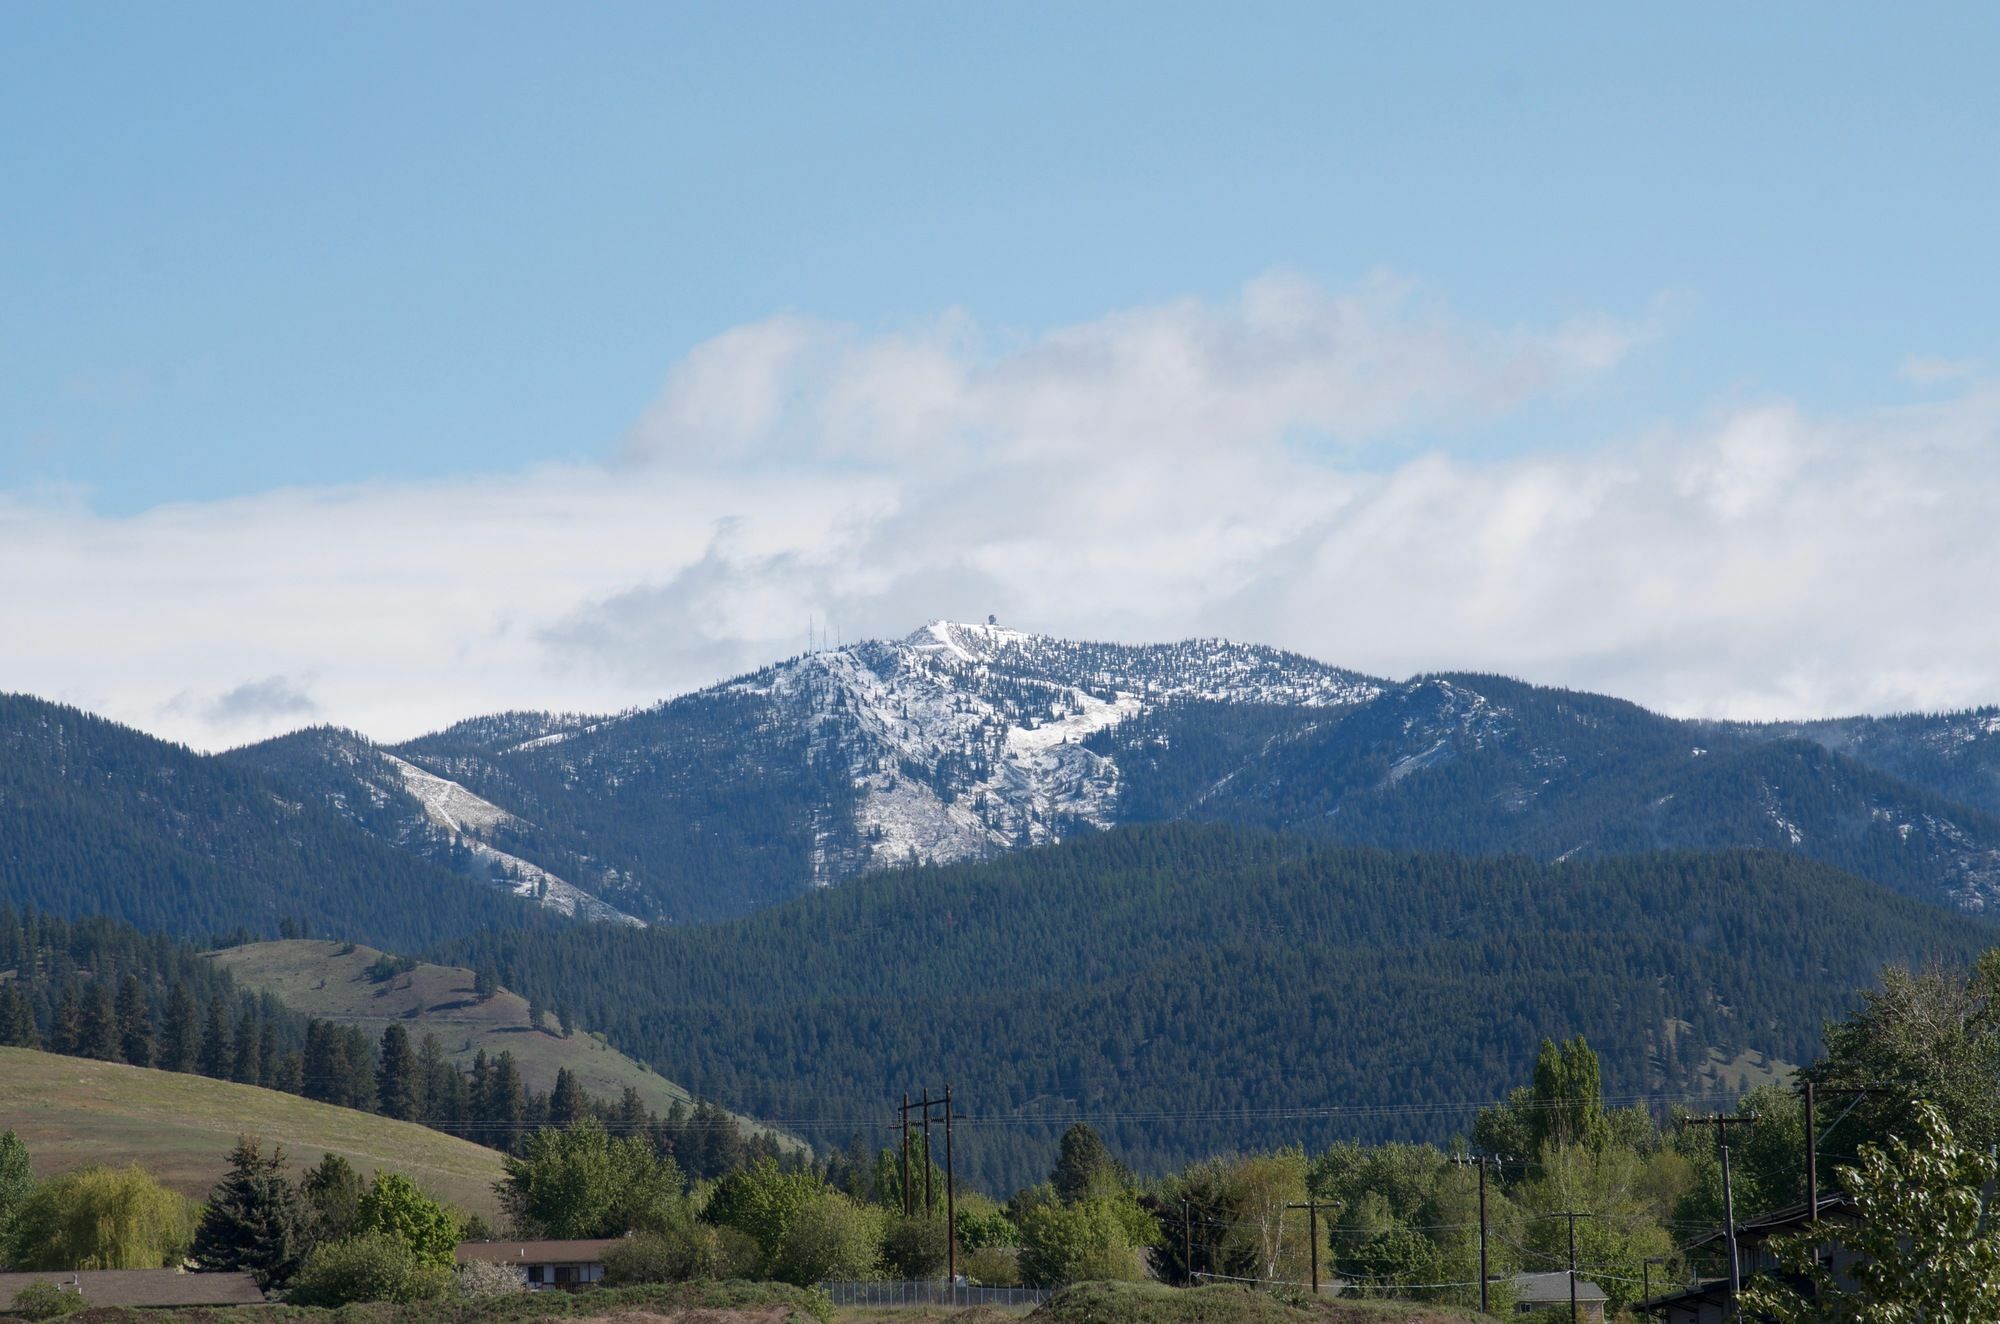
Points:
(1788, 1219)
(1712, 1292)
(1546, 1287)
(144, 1287)
(534, 1252)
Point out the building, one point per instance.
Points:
(1541, 1291)
(543, 1264)
(1708, 1301)
(151, 1289)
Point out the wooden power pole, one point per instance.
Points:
(1312, 1208)
(1480, 1163)
(1722, 1122)
(1572, 1215)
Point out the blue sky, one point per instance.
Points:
(260, 245)
(253, 247)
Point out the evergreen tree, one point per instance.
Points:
(535, 1015)
(565, 1020)
(255, 1220)
(270, 1065)
(397, 1082)
(506, 1106)
(332, 1191)
(325, 1064)
(1082, 1164)
(98, 1034)
(17, 1018)
(434, 1073)
(135, 1023)
(566, 1102)
(247, 1068)
(180, 1045)
(66, 1028)
(216, 1058)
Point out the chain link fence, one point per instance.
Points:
(932, 1294)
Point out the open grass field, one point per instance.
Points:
(73, 1112)
(331, 980)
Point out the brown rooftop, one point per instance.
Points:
(144, 1287)
(534, 1252)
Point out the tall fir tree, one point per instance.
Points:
(255, 1220)
(396, 1079)
(434, 1073)
(566, 1102)
(135, 1023)
(247, 1068)
(66, 1025)
(180, 1041)
(17, 1018)
(98, 1035)
(216, 1058)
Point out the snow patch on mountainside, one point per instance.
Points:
(966, 739)
(465, 816)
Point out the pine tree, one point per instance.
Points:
(270, 1066)
(566, 1101)
(247, 1067)
(332, 1191)
(396, 1079)
(17, 1018)
(98, 1035)
(216, 1058)
(535, 1015)
(180, 1045)
(135, 1023)
(507, 1103)
(325, 1064)
(564, 1019)
(255, 1220)
(434, 1073)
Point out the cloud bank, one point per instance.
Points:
(1292, 466)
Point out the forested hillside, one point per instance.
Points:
(1483, 765)
(1206, 987)
(965, 741)
(99, 819)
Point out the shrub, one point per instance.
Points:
(829, 1236)
(993, 1266)
(46, 1301)
(1073, 1243)
(742, 1257)
(372, 1266)
(676, 1255)
(481, 1278)
(914, 1248)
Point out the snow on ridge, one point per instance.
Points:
(464, 816)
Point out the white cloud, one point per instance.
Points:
(1271, 469)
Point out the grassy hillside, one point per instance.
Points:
(332, 980)
(73, 1112)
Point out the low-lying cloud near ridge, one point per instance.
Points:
(1267, 469)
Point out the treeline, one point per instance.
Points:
(1185, 976)
(98, 988)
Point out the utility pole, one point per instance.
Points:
(929, 1204)
(950, 1200)
(1480, 1163)
(1572, 1215)
(1812, 1160)
(1187, 1240)
(1312, 1208)
(906, 1153)
(1722, 1122)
